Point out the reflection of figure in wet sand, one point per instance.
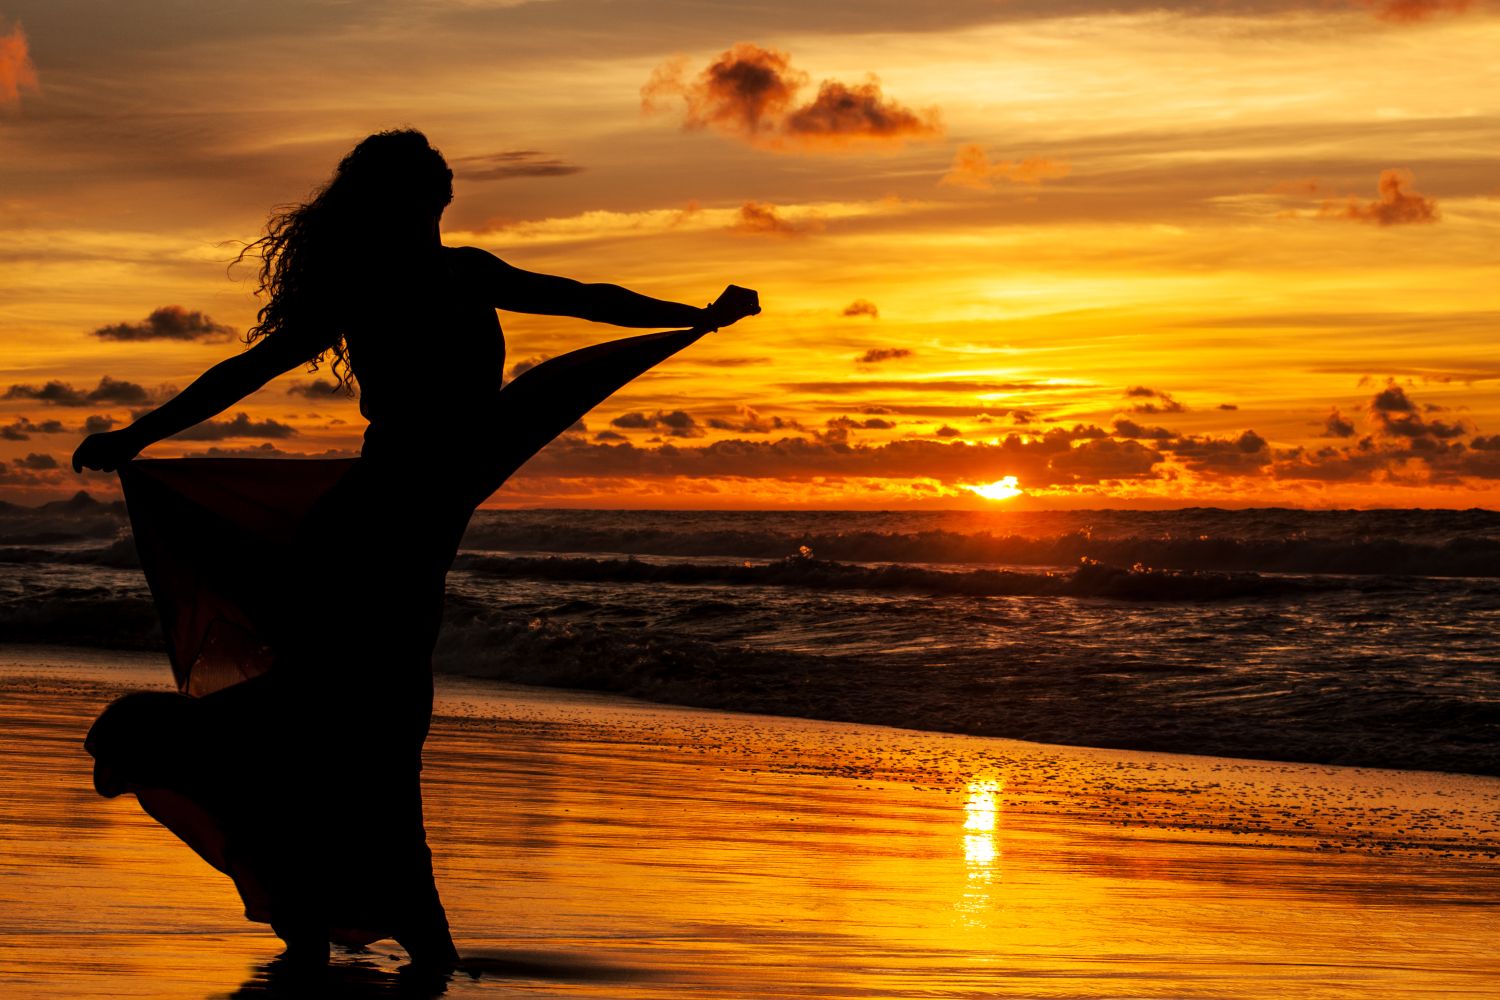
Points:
(302, 783)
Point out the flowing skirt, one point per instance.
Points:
(300, 601)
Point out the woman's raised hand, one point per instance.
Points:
(733, 305)
(106, 451)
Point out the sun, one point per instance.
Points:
(1000, 489)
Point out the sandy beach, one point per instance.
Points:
(589, 846)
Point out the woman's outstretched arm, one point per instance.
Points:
(223, 385)
(512, 288)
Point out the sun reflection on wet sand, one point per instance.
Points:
(981, 848)
(597, 848)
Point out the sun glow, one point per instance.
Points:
(1000, 489)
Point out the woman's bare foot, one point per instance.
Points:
(430, 948)
(304, 948)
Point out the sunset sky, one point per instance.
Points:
(1232, 254)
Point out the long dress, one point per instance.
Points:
(301, 600)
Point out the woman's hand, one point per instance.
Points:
(733, 305)
(107, 451)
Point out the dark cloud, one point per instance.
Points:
(750, 92)
(12, 477)
(1396, 415)
(1241, 455)
(109, 390)
(875, 355)
(98, 423)
(22, 428)
(844, 113)
(241, 426)
(760, 217)
(1127, 428)
(1394, 461)
(528, 364)
(1022, 417)
(673, 423)
(319, 388)
(1160, 402)
(973, 168)
(867, 424)
(1227, 406)
(1336, 426)
(1057, 458)
(37, 463)
(1392, 399)
(1406, 449)
(1396, 205)
(609, 436)
(511, 163)
(946, 431)
(269, 450)
(1095, 461)
(168, 323)
(752, 422)
(861, 307)
(17, 71)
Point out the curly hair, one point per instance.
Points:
(312, 254)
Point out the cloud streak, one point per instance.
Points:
(972, 168)
(1407, 11)
(511, 164)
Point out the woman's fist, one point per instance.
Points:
(105, 452)
(733, 305)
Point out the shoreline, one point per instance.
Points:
(150, 669)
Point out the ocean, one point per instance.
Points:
(1367, 638)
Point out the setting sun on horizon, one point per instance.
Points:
(1126, 256)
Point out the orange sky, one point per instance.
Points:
(1239, 254)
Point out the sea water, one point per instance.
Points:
(1352, 637)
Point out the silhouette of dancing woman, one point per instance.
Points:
(301, 600)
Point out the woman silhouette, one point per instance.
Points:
(302, 600)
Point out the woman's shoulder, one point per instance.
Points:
(473, 266)
(472, 257)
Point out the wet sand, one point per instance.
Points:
(597, 847)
